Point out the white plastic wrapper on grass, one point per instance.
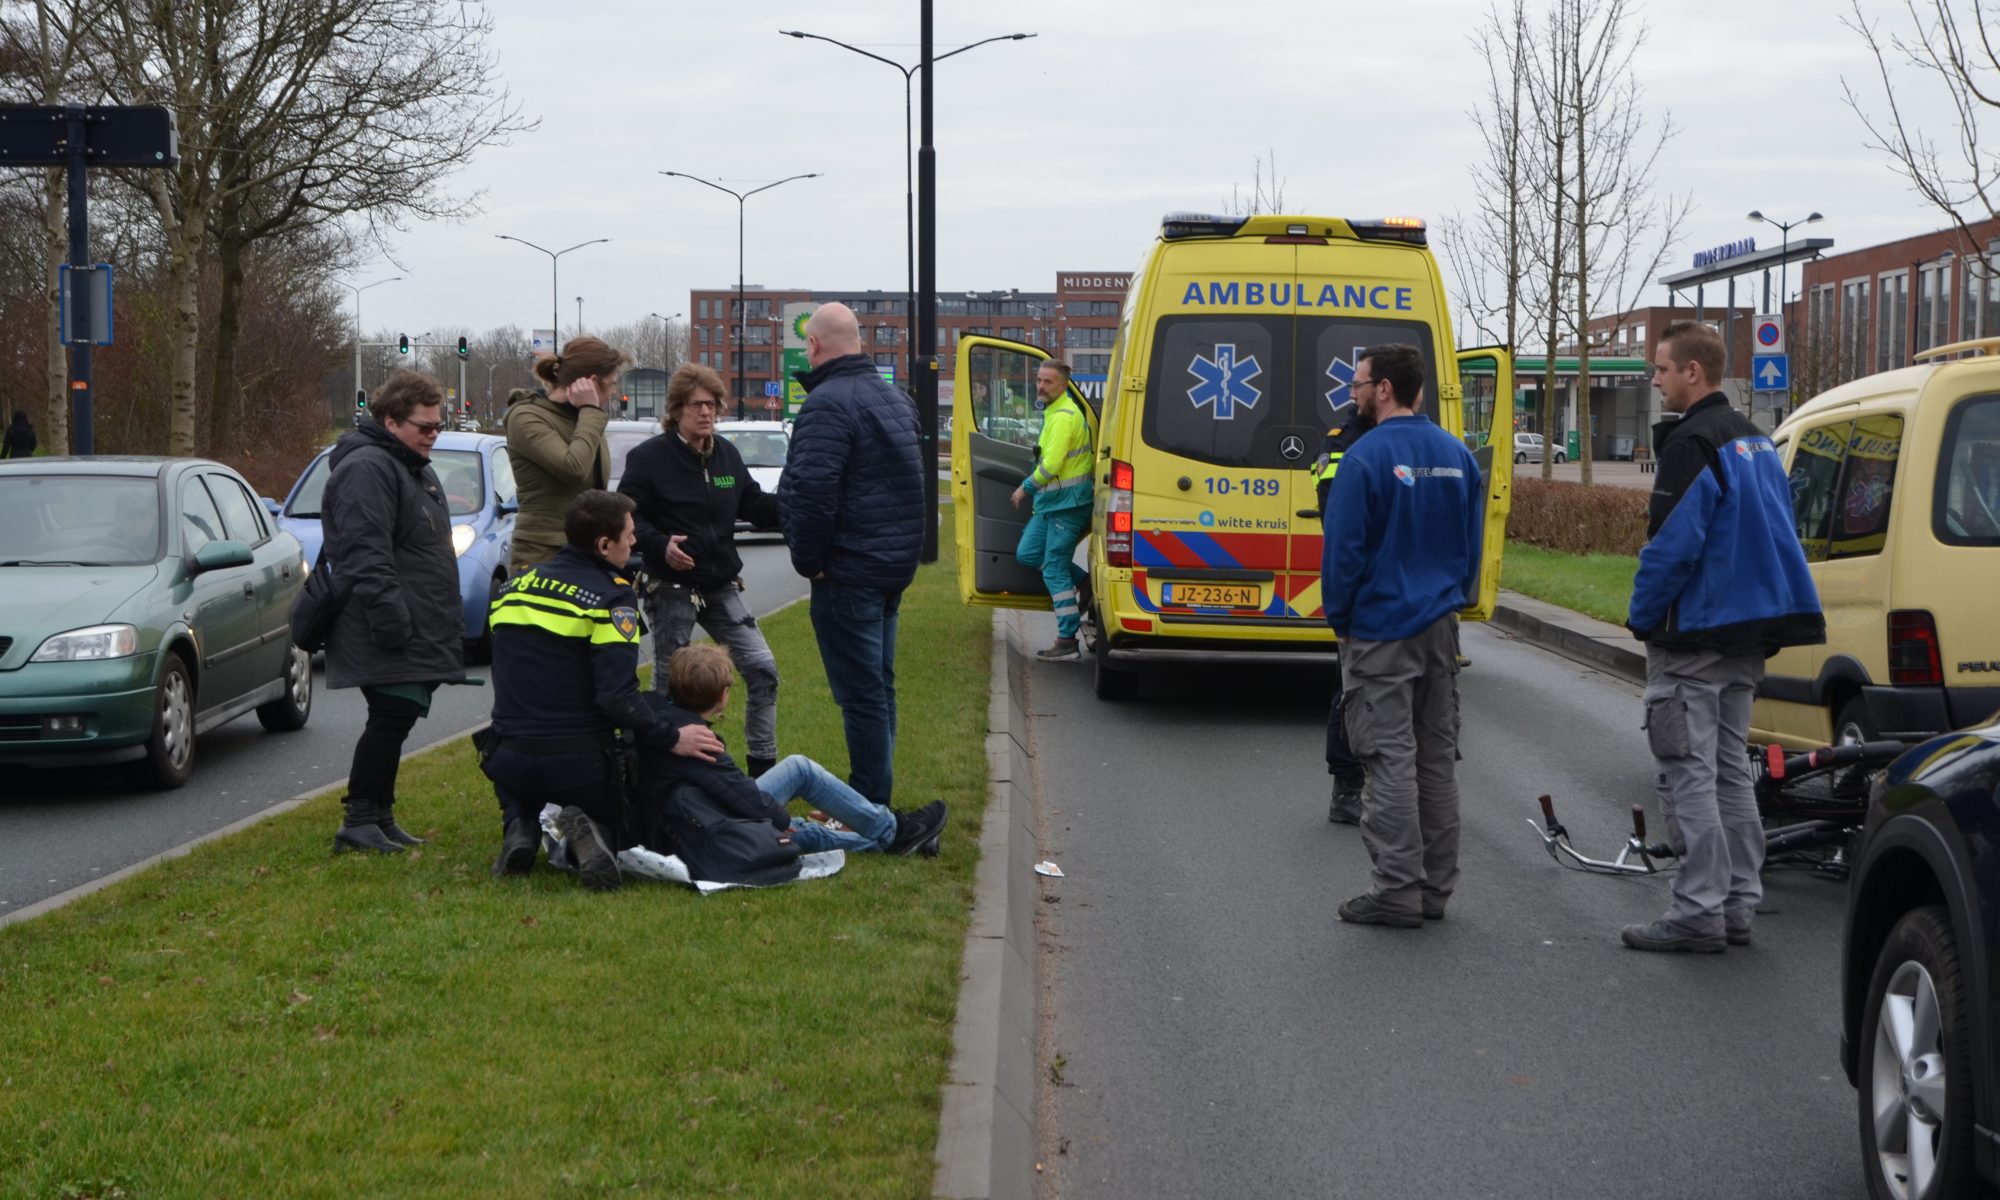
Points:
(668, 868)
(1046, 867)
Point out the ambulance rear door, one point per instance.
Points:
(1486, 387)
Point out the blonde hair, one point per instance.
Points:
(698, 675)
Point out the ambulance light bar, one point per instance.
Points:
(1391, 229)
(1177, 225)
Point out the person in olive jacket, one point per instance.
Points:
(555, 440)
(400, 631)
(691, 486)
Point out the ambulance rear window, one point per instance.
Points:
(1228, 389)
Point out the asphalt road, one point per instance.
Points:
(1218, 1032)
(60, 829)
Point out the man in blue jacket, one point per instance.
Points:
(1403, 521)
(851, 502)
(1722, 585)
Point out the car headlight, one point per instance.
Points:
(462, 537)
(89, 645)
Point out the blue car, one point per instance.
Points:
(478, 484)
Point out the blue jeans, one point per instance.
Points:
(1047, 545)
(869, 826)
(856, 629)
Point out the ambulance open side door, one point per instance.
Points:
(995, 420)
(1486, 385)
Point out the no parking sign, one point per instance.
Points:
(1768, 331)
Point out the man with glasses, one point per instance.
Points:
(1722, 585)
(1404, 520)
(400, 630)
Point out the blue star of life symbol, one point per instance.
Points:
(1341, 372)
(1225, 382)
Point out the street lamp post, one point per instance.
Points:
(490, 367)
(358, 389)
(1784, 247)
(666, 353)
(909, 180)
(579, 316)
(740, 198)
(555, 306)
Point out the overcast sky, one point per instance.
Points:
(1061, 152)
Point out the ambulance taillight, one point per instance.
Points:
(1118, 516)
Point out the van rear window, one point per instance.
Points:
(1966, 508)
(1229, 389)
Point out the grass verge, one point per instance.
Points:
(260, 1018)
(1599, 585)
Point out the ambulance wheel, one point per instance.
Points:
(1110, 682)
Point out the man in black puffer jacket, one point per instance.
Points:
(690, 487)
(852, 499)
(401, 630)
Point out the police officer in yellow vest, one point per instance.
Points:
(1060, 488)
(565, 681)
(1348, 779)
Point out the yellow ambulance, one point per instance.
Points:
(1234, 350)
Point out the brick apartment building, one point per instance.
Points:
(1874, 309)
(1075, 321)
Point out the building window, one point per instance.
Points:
(885, 360)
(1815, 367)
(1853, 329)
(1093, 308)
(701, 308)
(755, 310)
(755, 360)
(1639, 337)
(1091, 339)
(1090, 364)
(886, 334)
(1933, 305)
(751, 335)
(1892, 321)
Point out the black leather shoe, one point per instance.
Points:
(1345, 808)
(1367, 910)
(594, 860)
(755, 765)
(1667, 935)
(1433, 907)
(517, 847)
(397, 834)
(364, 837)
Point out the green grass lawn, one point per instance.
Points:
(1599, 585)
(263, 1019)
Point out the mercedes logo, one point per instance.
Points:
(1293, 447)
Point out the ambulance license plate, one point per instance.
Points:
(1212, 595)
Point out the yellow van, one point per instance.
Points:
(1234, 349)
(1896, 493)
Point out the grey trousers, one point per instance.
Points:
(1401, 702)
(1698, 726)
(672, 612)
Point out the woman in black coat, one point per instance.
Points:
(400, 632)
(20, 439)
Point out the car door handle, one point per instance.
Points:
(249, 590)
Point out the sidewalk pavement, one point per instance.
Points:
(1571, 634)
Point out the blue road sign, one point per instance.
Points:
(773, 388)
(1771, 372)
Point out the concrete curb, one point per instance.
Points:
(1571, 634)
(986, 1126)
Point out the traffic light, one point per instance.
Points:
(402, 343)
(360, 400)
(461, 347)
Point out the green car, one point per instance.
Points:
(143, 601)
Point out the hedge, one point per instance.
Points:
(1576, 519)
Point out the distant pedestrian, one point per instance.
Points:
(555, 440)
(20, 440)
(1344, 808)
(1722, 585)
(1403, 522)
(1060, 488)
(401, 630)
(852, 501)
(691, 487)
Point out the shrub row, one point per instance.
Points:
(1576, 519)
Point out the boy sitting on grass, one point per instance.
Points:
(698, 678)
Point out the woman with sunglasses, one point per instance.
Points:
(400, 631)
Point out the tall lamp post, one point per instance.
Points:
(909, 181)
(740, 198)
(666, 354)
(555, 305)
(359, 391)
(579, 316)
(1784, 246)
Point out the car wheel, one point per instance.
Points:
(1561, 458)
(479, 650)
(1916, 1065)
(1519, 457)
(289, 711)
(1108, 681)
(169, 756)
(1852, 725)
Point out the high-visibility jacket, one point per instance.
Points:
(566, 650)
(1339, 440)
(1061, 478)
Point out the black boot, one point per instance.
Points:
(359, 829)
(394, 832)
(756, 765)
(517, 847)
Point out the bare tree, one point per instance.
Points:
(1267, 190)
(1622, 237)
(1949, 42)
(1549, 82)
(294, 114)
